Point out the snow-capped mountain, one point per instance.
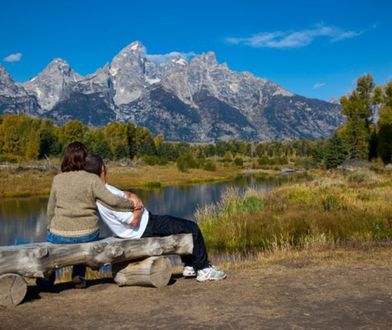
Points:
(185, 96)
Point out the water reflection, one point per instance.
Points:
(23, 220)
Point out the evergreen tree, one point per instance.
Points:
(384, 126)
(335, 152)
(131, 135)
(358, 108)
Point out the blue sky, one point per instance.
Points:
(312, 48)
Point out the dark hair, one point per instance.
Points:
(94, 164)
(74, 157)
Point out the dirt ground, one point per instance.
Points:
(329, 291)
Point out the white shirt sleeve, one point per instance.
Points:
(123, 217)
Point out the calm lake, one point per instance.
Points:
(23, 220)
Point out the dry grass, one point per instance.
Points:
(25, 183)
(333, 210)
(15, 182)
(163, 175)
(298, 258)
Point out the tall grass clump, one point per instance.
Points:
(329, 211)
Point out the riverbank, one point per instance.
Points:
(339, 288)
(23, 181)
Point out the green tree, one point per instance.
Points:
(33, 145)
(335, 152)
(72, 131)
(384, 126)
(19, 136)
(49, 139)
(185, 162)
(358, 108)
(117, 136)
(131, 134)
(98, 144)
(144, 142)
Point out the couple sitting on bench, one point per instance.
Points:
(81, 189)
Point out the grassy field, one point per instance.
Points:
(334, 210)
(21, 180)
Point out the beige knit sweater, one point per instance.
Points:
(72, 210)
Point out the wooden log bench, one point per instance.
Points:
(134, 262)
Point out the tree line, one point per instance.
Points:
(366, 134)
(28, 138)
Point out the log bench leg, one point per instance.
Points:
(13, 289)
(153, 271)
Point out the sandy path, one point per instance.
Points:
(355, 293)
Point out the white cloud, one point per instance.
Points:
(293, 39)
(13, 57)
(160, 58)
(319, 85)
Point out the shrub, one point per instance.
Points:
(152, 184)
(330, 202)
(362, 176)
(209, 166)
(381, 229)
(186, 162)
(263, 160)
(228, 157)
(283, 160)
(306, 163)
(155, 160)
(9, 158)
(238, 161)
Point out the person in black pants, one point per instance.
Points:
(164, 225)
(142, 223)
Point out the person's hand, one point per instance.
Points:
(137, 215)
(135, 199)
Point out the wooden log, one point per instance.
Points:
(153, 271)
(41, 259)
(13, 289)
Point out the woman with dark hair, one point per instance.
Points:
(72, 210)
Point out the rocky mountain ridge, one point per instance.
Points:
(185, 97)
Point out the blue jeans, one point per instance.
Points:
(77, 270)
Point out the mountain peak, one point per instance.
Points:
(208, 58)
(7, 84)
(4, 73)
(57, 65)
(135, 47)
(53, 83)
(59, 61)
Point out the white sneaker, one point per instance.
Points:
(189, 271)
(210, 274)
